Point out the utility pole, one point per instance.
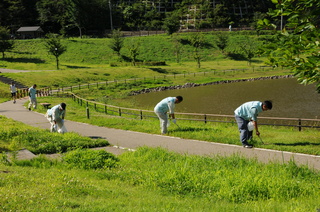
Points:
(110, 9)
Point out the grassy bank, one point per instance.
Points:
(157, 180)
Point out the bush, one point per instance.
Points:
(90, 159)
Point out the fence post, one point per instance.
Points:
(299, 121)
(88, 113)
(205, 118)
(140, 114)
(88, 85)
(105, 109)
(119, 111)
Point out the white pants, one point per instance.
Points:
(163, 117)
(58, 126)
(32, 102)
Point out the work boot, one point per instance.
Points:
(247, 146)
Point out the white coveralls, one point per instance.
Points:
(56, 117)
(161, 109)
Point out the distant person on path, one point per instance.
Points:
(56, 115)
(32, 97)
(249, 112)
(13, 90)
(165, 106)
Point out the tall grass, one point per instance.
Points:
(15, 136)
(158, 180)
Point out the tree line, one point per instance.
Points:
(95, 17)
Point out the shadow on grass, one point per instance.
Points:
(24, 60)
(159, 70)
(77, 67)
(189, 129)
(298, 144)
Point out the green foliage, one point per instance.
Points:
(41, 161)
(116, 43)
(232, 179)
(298, 43)
(222, 41)
(133, 48)
(197, 40)
(55, 47)
(18, 136)
(90, 159)
(5, 43)
(246, 47)
(171, 23)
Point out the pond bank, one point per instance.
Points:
(191, 85)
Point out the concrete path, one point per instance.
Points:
(123, 140)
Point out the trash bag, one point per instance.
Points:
(250, 126)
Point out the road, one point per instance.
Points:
(124, 140)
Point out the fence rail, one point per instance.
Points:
(145, 114)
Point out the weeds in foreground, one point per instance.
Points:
(157, 180)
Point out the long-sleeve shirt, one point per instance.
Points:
(56, 113)
(13, 88)
(166, 105)
(32, 92)
(249, 110)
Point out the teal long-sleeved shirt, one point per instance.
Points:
(249, 110)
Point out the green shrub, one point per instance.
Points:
(90, 159)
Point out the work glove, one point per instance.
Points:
(174, 121)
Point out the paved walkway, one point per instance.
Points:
(123, 140)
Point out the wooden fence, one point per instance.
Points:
(144, 114)
(206, 118)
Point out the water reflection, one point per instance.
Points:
(290, 98)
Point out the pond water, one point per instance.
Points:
(290, 99)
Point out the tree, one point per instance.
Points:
(197, 40)
(222, 41)
(298, 43)
(133, 48)
(54, 46)
(117, 41)
(177, 46)
(247, 47)
(51, 14)
(171, 23)
(5, 43)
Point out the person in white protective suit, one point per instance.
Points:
(165, 106)
(56, 115)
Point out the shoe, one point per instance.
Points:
(247, 146)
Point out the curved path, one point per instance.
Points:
(122, 140)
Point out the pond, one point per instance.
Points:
(290, 99)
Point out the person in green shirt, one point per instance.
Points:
(247, 112)
(32, 97)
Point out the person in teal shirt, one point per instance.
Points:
(247, 112)
(32, 97)
(165, 106)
